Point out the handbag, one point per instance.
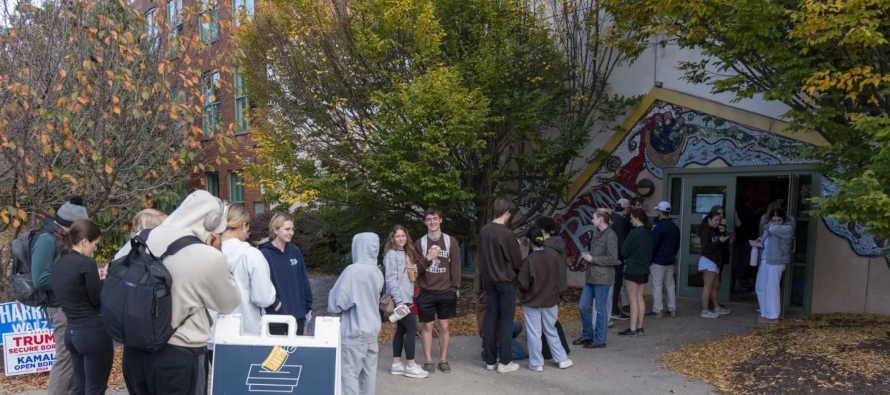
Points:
(386, 306)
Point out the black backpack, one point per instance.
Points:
(23, 288)
(136, 298)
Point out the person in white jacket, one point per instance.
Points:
(251, 272)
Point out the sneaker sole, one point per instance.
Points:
(397, 373)
(508, 370)
(709, 316)
(416, 376)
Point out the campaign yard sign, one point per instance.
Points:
(29, 352)
(18, 318)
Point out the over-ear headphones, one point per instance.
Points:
(213, 220)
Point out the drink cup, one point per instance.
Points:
(399, 312)
(412, 272)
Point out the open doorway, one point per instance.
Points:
(753, 196)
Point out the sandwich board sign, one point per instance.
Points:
(271, 364)
(29, 352)
(18, 318)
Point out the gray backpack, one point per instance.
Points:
(23, 288)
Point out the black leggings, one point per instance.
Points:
(92, 355)
(406, 328)
(616, 290)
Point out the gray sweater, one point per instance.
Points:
(398, 285)
(356, 293)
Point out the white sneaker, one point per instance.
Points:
(491, 367)
(566, 364)
(510, 367)
(709, 314)
(721, 310)
(398, 369)
(416, 372)
(536, 368)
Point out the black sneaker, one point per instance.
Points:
(640, 331)
(595, 345)
(429, 367)
(582, 341)
(620, 316)
(628, 332)
(443, 366)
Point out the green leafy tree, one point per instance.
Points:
(392, 106)
(829, 61)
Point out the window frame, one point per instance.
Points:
(207, 183)
(236, 181)
(211, 89)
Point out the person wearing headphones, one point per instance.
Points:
(201, 280)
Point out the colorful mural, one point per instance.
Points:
(668, 136)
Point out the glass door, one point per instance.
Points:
(795, 283)
(700, 194)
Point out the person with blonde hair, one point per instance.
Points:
(146, 219)
(289, 274)
(599, 265)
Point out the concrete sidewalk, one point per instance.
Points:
(627, 365)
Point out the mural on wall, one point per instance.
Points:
(669, 136)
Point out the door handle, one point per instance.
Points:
(794, 244)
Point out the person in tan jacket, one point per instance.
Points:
(201, 280)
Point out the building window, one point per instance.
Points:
(151, 27)
(242, 103)
(210, 89)
(211, 182)
(245, 7)
(259, 208)
(209, 23)
(236, 188)
(174, 18)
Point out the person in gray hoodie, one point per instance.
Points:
(201, 281)
(355, 298)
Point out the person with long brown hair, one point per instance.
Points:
(400, 263)
(638, 250)
(76, 283)
(710, 262)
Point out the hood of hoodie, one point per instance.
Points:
(234, 249)
(191, 215)
(556, 243)
(365, 248)
(268, 246)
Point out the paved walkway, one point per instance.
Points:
(627, 365)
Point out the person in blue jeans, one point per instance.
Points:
(600, 264)
(517, 351)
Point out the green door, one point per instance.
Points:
(700, 193)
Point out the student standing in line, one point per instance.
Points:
(709, 263)
(439, 280)
(539, 282)
(354, 297)
(499, 263)
(600, 278)
(398, 261)
(45, 251)
(621, 226)
(76, 283)
(289, 275)
(665, 246)
(775, 256)
(638, 250)
(553, 242)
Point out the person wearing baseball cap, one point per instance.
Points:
(665, 246)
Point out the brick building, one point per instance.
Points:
(225, 181)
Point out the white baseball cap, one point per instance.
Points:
(663, 206)
(623, 203)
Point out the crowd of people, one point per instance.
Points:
(251, 267)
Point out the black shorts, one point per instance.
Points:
(431, 305)
(637, 278)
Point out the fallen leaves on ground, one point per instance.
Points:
(833, 353)
(40, 381)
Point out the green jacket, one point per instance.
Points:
(637, 249)
(604, 249)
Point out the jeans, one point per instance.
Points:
(405, 330)
(501, 306)
(663, 275)
(600, 295)
(169, 371)
(538, 320)
(60, 377)
(92, 355)
(517, 351)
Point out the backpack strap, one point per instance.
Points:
(179, 244)
(447, 244)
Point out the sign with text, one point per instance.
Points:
(30, 352)
(18, 318)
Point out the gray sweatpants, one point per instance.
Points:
(359, 368)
